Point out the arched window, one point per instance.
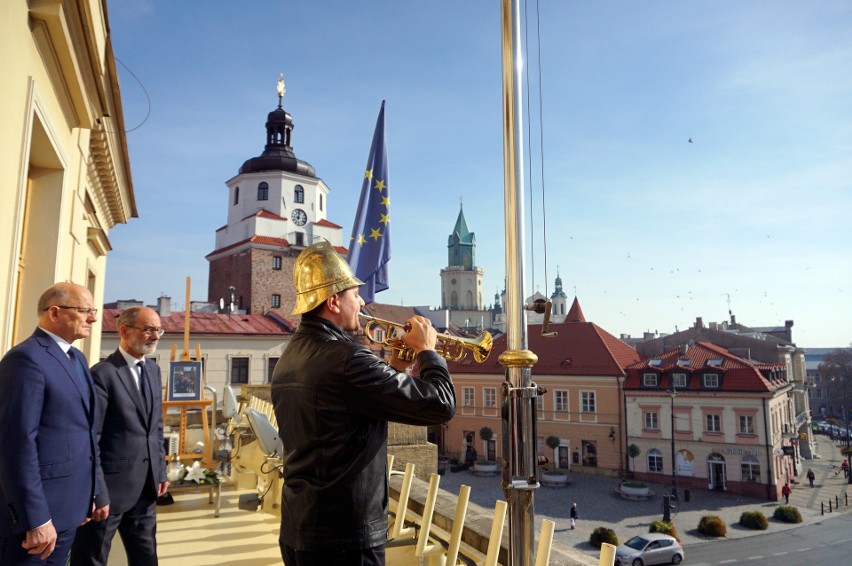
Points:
(263, 191)
(236, 195)
(655, 461)
(299, 194)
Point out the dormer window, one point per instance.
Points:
(263, 191)
(679, 380)
(655, 362)
(298, 194)
(714, 362)
(711, 380)
(684, 362)
(649, 380)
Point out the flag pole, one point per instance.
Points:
(518, 393)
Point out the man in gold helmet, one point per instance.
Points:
(333, 399)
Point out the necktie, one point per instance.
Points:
(143, 381)
(80, 374)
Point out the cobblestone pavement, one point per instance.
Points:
(600, 505)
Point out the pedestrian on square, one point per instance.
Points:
(811, 477)
(845, 466)
(786, 491)
(574, 515)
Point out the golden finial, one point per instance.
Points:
(281, 89)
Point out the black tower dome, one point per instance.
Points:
(278, 155)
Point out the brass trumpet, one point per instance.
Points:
(453, 348)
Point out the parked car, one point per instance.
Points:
(653, 548)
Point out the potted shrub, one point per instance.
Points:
(754, 520)
(633, 451)
(664, 528)
(787, 514)
(601, 535)
(712, 526)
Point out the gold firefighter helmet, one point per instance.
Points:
(318, 274)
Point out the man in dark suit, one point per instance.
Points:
(48, 449)
(129, 424)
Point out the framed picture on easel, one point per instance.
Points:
(184, 381)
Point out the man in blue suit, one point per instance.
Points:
(129, 426)
(48, 449)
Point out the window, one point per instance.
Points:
(276, 301)
(539, 403)
(678, 380)
(587, 399)
(649, 379)
(560, 400)
(300, 239)
(489, 397)
(746, 424)
(263, 191)
(655, 461)
(276, 262)
(236, 195)
(750, 468)
(270, 368)
(652, 421)
(714, 423)
(467, 397)
(239, 370)
(320, 202)
(298, 194)
(711, 380)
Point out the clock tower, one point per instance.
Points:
(277, 206)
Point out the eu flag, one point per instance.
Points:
(369, 246)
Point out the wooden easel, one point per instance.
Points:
(202, 404)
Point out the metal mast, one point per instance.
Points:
(518, 394)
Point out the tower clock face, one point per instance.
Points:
(299, 217)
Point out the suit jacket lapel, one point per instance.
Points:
(128, 381)
(52, 348)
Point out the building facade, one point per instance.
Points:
(64, 165)
(769, 344)
(582, 369)
(703, 418)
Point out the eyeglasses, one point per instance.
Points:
(83, 310)
(150, 330)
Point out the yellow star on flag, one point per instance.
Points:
(379, 184)
(385, 219)
(375, 233)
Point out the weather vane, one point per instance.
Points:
(281, 89)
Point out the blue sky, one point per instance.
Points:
(650, 231)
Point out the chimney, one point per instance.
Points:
(164, 305)
(699, 322)
(684, 348)
(733, 320)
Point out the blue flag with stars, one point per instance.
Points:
(369, 246)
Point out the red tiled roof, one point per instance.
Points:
(580, 348)
(263, 213)
(736, 374)
(265, 240)
(327, 224)
(215, 324)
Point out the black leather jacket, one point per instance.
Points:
(333, 399)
